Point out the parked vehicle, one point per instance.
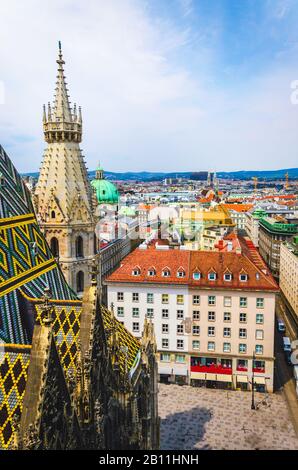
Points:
(287, 344)
(281, 326)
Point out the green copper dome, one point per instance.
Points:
(106, 192)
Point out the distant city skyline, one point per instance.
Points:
(164, 85)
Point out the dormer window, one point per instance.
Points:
(228, 277)
(212, 276)
(166, 272)
(180, 272)
(243, 277)
(151, 272)
(136, 271)
(196, 276)
(257, 276)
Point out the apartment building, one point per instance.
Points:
(238, 213)
(272, 233)
(213, 313)
(252, 224)
(288, 277)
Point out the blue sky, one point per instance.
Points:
(165, 85)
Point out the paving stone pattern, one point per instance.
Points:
(200, 418)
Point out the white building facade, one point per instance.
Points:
(213, 314)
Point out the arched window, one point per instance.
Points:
(53, 215)
(79, 247)
(55, 247)
(80, 281)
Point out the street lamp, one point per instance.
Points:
(253, 406)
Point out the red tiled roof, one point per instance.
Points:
(192, 261)
(172, 259)
(238, 207)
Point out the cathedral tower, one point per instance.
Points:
(63, 195)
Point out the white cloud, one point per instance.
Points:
(141, 110)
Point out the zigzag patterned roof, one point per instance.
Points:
(27, 267)
(25, 258)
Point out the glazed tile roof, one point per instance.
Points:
(259, 277)
(130, 346)
(14, 363)
(27, 267)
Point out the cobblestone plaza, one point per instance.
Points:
(200, 418)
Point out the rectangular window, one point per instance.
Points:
(211, 346)
(120, 296)
(243, 302)
(260, 318)
(180, 329)
(135, 297)
(227, 316)
(195, 330)
(180, 358)
(150, 298)
(196, 300)
(227, 332)
(227, 347)
(180, 299)
(150, 313)
(135, 327)
(165, 328)
(196, 315)
(259, 334)
(227, 301)
(242, 348)
(211, 330)
(165, 313)
(180, 344)
(165, 298)
(164, 357)
(260, 302)
(211, 316)
(180, 314)
(196, 344)
(242, 317)
(242, 333)
(259, 349)
(164, 343)
(211, 299)
(120, 311)
(135, 312)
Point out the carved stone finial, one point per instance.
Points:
(94, 272)
(46, 308)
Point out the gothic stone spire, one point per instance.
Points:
(63, 190)
(62, 122)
